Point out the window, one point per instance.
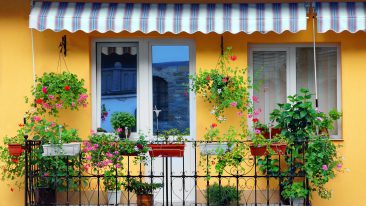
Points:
(136, 77)
(280, 71)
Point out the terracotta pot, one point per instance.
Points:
(45, 196)
(145, 200)
(15, 150)
(258, 151)
(166, 150)
(279, 148)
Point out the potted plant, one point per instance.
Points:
(172, 146)
(295, 193)
(15, 147)
(215, 148)
(219, 195)
(112, 185)
(144, 191)
(259, 145)
(55, 91)
(133, 147)
(61, 142)
(123, 123)
(224, 86)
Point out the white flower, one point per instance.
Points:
(213, 111)
(222, 118)
(219, 91)
(204, 94)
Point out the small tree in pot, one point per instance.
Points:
(144, 191)
(122, 122)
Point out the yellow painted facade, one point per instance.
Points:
(16, 79)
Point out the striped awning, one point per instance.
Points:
(174, 18)
(344, 16)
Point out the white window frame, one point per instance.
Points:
(144, 80)
(291, 70)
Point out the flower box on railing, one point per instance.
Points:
(166, 150)
(66, 149)
(215, 148)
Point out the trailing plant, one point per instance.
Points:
(294, 191)
(219, 195)
(224, 86)
(55, 91)
(141, 188)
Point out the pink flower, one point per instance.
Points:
(44, 90)
(37, 118)
(51, 96)
(58, 106)
(85, 105)
(139, 146)
(257, 112)
(255, 99)
(73, 104)
(319, 119)
(224, 80)
(257, 131)
(46, 174)
(317, 110)
(233, 104)
(92, 132)
(116, 152)
(240, 113)
(86, 167)
(119, 130)
(250, 116)
(325, 167)
(96, 145)
(208, 78)
(109, 155)
(53, 124)
(339, 166)
(88, 157)
(118, 166)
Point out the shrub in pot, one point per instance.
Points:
(123, 123)
(144, 191)
(219, 195)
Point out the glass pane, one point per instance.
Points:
(269, 76)
(118, 86)
(326, 75)
(170, 70)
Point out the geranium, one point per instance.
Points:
(213, 125)
(233, 104)
(37, 118)
(39, 101)
(44, 90)
(325, 167)
(67, 88)
(208, 78)
(233, 57)
(255, 120)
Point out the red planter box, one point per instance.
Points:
(258, 151)
(166, 150)
(278, 148)
(15, 150)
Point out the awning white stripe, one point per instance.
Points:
(174, 18)
(341, 16)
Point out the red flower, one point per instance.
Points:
(67, 87)
(233, 58)
(213, 125)
(255, 120)
(208, 78)
(21, 125)
(139, 146)
(44, 90)
(224, 80)
(39, 101)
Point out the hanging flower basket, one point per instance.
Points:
(166, 150)
(279, 148)
(66, 149)
(15, 150)
(258, 151)
(215, 148)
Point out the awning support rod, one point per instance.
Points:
(315, 65)
(33, 60)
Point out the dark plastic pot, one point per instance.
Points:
(166, 150)
(45, 196)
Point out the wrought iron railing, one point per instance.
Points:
(185, 179)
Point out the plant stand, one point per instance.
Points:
(67, 149)
(145, 200)
(114, 197)
(215, 148)
(166, 150)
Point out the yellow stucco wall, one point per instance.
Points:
(16, 78)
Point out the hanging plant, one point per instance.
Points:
(224, 87)
(55, 91)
